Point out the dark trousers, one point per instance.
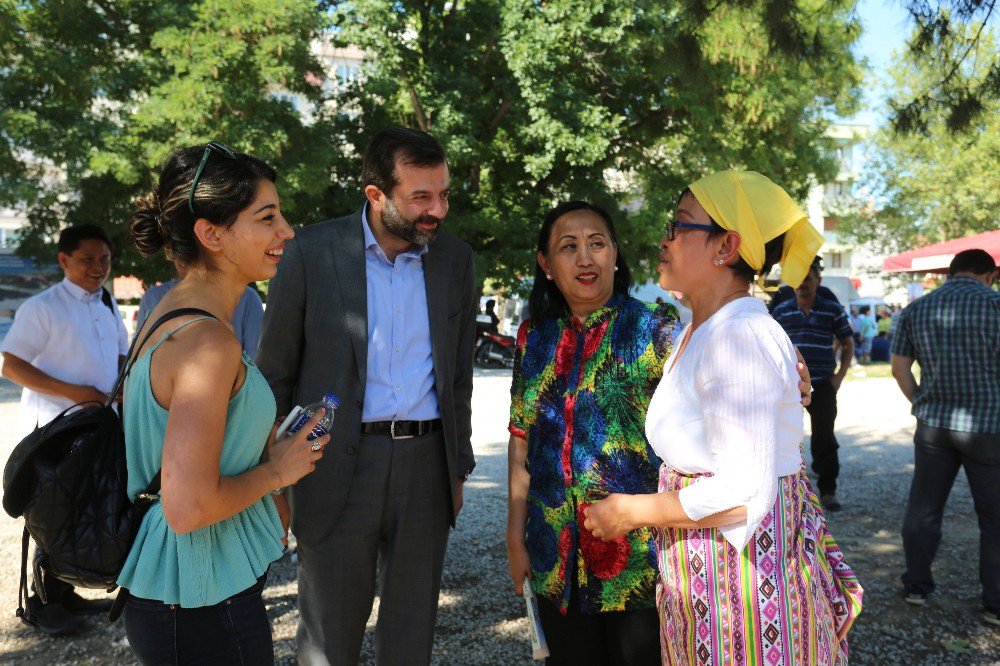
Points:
(823, 444)
(391, 539)
(233, 631)
(938, 453)
(626, 638)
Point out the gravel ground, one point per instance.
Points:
(480, 619)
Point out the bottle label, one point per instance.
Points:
(301, 420)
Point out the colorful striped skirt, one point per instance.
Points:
(788, 598)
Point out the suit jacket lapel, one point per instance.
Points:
(349, 258)
(436, 272)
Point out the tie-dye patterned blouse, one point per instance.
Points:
(579, 399)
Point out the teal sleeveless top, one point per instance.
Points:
(210, 564)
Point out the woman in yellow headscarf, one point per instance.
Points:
(748, 570)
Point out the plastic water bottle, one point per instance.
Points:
(330, 402)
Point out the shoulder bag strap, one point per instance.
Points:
(180, 312)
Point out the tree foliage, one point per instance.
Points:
(620, 102)
(947, 40)
(936, 185)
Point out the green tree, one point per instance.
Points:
(933, 186)
(619, 101)
(965, 84)
(94, 94)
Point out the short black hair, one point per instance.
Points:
(71, 237)
(977, 262)
(546, 301)
(398, 145)
(817, 265)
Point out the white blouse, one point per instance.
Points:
(730, 407)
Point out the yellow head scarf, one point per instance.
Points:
(758, 210)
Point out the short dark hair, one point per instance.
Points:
(817, 265)
(864, 309)
(398, 145)
(546, 300)
(977, 262)
(71, 237)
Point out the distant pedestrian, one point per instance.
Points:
(247, 318)
(64, 348)
(954, 334)
(867, 330)
(814, 324)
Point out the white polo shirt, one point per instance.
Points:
(70, 334)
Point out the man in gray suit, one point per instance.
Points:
(379, 308)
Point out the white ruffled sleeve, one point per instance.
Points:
(740, 382)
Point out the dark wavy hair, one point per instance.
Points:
(163, 219)
(546, 300)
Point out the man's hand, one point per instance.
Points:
(459, 496)
(835, 382)
(805, 381)
(87, 394)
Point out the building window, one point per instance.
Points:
(829, 223)
(836, 260)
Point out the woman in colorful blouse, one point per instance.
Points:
(750, 573)
(586, 365)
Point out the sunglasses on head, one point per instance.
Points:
(211, 146)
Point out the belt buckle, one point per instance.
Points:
(392, 432)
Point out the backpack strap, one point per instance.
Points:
(22, 612)
(180, 312)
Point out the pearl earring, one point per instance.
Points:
(548, 276)
(616, 269)
(718, 262)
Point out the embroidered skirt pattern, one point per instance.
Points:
(788, 598)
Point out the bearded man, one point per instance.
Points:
(379, 308)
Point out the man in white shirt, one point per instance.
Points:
(65, 347)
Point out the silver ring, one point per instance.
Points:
(316, 446)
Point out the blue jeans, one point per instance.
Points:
(233, 631)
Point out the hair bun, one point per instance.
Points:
(149, 233)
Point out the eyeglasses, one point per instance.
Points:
(221, 149)
(674, 225)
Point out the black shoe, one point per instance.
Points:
(830, 503)
(53, 619)
(77, 605)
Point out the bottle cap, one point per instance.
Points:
(331, 398)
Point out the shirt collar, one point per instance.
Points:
(372, 244)
(597, 317)
(79, 293)
(962, 279)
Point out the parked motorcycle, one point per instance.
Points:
(492, 349)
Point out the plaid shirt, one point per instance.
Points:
(954, 333)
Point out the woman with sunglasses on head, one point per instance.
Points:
(586, 364)
(197, 410)
(748, 569)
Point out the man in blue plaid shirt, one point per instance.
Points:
(954, 334)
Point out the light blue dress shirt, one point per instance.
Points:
(400, 366)
(247, 318)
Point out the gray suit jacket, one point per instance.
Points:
(315, 340)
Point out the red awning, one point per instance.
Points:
(936, 258)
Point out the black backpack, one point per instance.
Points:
(69, 480)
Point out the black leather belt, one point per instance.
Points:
(401, 429)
